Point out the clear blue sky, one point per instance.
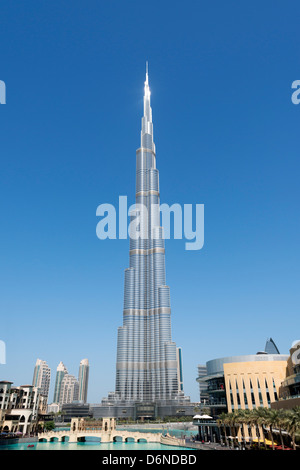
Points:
(226, 134)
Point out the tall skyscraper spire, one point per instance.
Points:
(147, 125)
(147, 367)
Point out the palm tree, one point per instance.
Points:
(282, 421)
(254, 420)
(288, 420)
(272, 419)
(249, 420)
(242, 419)
(232, 421)
(222, 421)
(293, 423)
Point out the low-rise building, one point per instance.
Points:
(18, 408)
(77, 409)
(245, 382)
(53, 408)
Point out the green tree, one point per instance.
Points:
(222, 421)
(261, 418)
(49, 425)
(293, 423)
(242, 419)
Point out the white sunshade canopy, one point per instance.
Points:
(202, 417)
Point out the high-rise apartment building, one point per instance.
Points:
(83, 378)
(69, 389)
(60, 373)
(41, 378)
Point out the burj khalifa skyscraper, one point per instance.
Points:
(147, 367)
(148, 364)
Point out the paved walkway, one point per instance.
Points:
(212, 446)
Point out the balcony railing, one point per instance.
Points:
(217, 402)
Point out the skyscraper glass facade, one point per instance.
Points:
(61, 371)
(83, 378)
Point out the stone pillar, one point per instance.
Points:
(74, 425)
(73, 430)
(108, 424)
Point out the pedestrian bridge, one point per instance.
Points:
(113, 436)
(108, 433)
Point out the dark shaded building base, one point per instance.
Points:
(287, 404)
(143, 411)
(75, 410)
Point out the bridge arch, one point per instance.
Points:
(89, 438)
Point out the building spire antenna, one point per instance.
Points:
(147, 71)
